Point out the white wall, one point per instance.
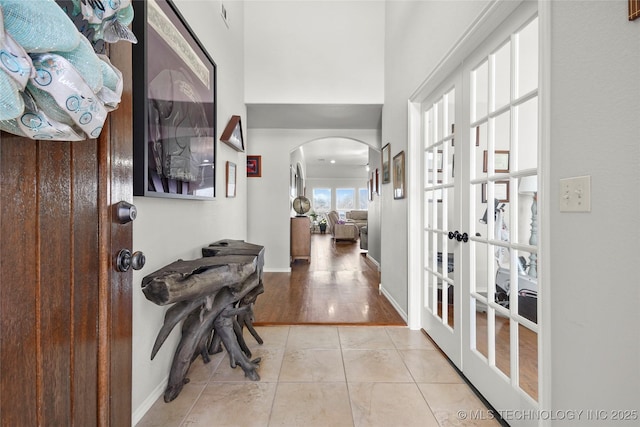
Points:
(166, 229)
(324, 52)
(595, 130)
(269, 201)
(418, 35)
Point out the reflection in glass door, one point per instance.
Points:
(501, 349)
(442, 238)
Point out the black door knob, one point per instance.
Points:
(464, 237)
(126, 260)
(138, 260)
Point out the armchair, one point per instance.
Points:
(346, 231)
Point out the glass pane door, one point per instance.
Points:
(441, 223)
(480, 283)
(501, 350)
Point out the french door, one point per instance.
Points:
(442, 234)
(479, 275)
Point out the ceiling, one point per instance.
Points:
(346, 153)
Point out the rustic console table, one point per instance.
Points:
(214, 295)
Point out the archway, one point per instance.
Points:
(339, 173)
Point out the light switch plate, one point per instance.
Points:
(575, 194)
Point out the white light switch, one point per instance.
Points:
(575, 194)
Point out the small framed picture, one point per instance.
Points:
(232, 135)
(634, 9)
(500, 191)
(386, 164)
(254, 166)
(500, 161)
(230, 171)
(453, 134)
(398, 176)
(439, 160)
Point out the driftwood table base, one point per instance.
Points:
(213, 297)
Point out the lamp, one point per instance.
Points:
(529, 186)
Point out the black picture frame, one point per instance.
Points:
(232, 134)
(173, 77)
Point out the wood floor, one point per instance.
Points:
(338, 287)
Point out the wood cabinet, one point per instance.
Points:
(300, 238)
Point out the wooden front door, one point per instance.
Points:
(65, 312)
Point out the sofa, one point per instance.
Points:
(340, 230)
(358, 217)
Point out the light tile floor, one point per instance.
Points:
(324, 376)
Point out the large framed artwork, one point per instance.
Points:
(174, 106)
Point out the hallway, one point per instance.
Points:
(335, 353)
(339, 287)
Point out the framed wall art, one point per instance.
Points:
(230, 172)
(386, 164)
(174, 106)
(398, 176)
(500, 160)
(634, 9)
(254, 166)
(500, 191)
(439, 161)
(232, 134)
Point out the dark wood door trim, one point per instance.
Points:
(115, 347)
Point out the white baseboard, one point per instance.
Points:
(394, 303)
(149, 401)
(373, 261)
(277, 270)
